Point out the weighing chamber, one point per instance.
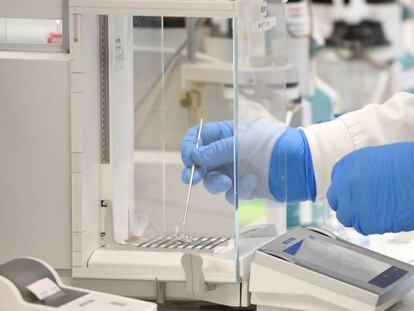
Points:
(142, 73)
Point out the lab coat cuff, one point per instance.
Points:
(328, 143)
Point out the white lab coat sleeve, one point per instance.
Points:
(373, 125)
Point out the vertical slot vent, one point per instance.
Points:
(104, 89)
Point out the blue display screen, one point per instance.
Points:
(388, 277)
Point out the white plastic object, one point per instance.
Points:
(13, 296)
(193, 269)
(140, 225)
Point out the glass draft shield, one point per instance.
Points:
(143, 74)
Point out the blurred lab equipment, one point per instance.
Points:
(360, 47)
(30, 284)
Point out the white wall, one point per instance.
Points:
(32, 8)
(35, 211)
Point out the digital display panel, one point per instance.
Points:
(343, 263)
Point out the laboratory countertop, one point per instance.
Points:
(407, 304)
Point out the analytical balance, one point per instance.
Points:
(139, 80)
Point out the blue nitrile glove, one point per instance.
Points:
(272, 159)
(372, 189)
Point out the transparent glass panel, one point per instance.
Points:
(31, 31)
(192, 93)
(260, 107)
(149, 218)
(231, 74)
(183, 70)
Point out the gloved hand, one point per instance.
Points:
(274, 162)
(372, 189)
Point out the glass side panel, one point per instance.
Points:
(192, 93)
(148, 217)
(231, 75)
(183, 71)
(261, 101)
